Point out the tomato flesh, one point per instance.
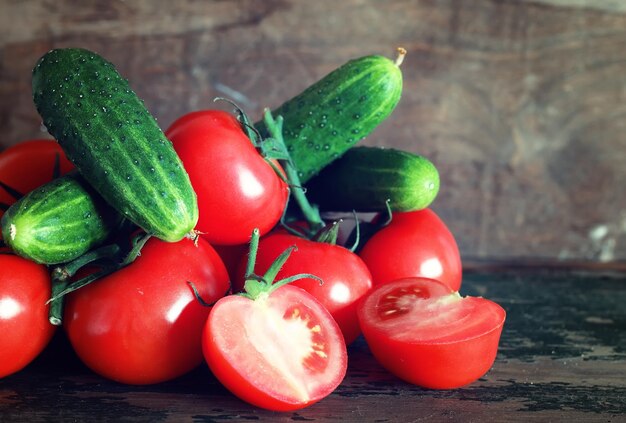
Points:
(426, 334)
(280, 352)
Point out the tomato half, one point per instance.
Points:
(345, 277)
(237, 189)
(26, 331)
(143, 324)
(414, 244)
(282, 351)
(426, 334)
(28, 165)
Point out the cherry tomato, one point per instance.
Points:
(26, 331)
(414, 244)
(237, 189)
(143, 323)
(28, 165)
(426, 334)
(345, 278)
(282, 351)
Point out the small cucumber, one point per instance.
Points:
(332, 115)
(365, 177)
(59, 221)
(114, 142)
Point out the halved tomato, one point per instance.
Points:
(281, 351)
(428, 335)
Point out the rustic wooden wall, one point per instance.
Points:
(520, 104)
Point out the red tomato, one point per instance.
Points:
(282, 351)
(237, 189)
(414, 244)
(26, 331)
(345, 277)
(143, 323)
(28, 165)
(428, 335)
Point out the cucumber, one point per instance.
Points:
(59, 221)
(333, 114)
(114, 142)
(365, 177)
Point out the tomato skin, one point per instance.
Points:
(346, 278)
(29, 164)
(237, 189)
(143, 324)
(239, 332)
(457, 346)
(26, 331)
(414, 244)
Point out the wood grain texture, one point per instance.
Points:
(520, 104)
(562, 357)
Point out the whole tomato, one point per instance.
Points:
(345, 277)
(415, 243)
(26, 331)
(28, 165)
(143, 324)
(237, 189)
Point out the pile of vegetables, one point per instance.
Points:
(156, 251)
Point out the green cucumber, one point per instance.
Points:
(59, 221)
(332, 115)
(114, 142)
(364, 178)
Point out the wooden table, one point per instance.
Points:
(562, 357)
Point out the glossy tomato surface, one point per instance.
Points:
(28, 165)
(345, 277)
(24, 325)
(143, 323)
(237, 189)
(428, 335)
(414, 244)
(279, 352)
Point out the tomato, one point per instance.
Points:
(26, 331)
(426, 334)
(143, 323)
(281, 351)
(346, 279)
(29, 164)
(414, 244)
(237, 189)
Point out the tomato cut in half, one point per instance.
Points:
(281, 351)
(428, 335)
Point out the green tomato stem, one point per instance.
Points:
(310, 212)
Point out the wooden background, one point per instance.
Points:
(520, 104)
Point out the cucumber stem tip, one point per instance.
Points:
(401, 55)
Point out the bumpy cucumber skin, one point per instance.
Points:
(59, 221)
(115, 143)
(332, 115)
(365, 177)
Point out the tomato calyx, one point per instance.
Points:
(107, 259)
(256, 286)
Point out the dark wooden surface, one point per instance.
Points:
(562, 357)
(521, 104)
